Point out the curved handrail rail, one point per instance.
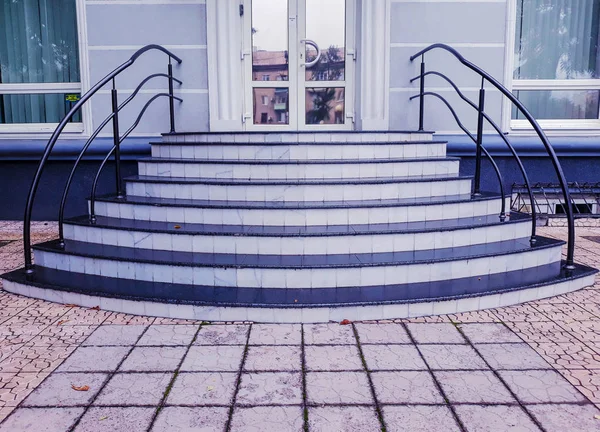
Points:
(470, 135)
(112, 150)
(63, 201)
(504, 138)
(54, 137)
(538, 129)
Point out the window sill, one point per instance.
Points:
(38, 130)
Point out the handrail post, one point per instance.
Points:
(171, 102)
(117, 140)
(422, 93)
(480, 110)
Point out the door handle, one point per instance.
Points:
(316, 60)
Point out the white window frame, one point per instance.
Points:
(43, 130)
(553, 127)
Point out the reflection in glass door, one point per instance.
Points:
(323, 77)
(298, 64)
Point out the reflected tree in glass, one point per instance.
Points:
(321, 100)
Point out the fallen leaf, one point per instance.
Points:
(61, 322)
(80, 388)
(210, 388)
(345, 322)
(95, 308)
(70, 305)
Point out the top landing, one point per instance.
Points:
(300, 137)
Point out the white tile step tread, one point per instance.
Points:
(562, 284)
(298, 169)
(299, 213)
(297, 240)
(298, 189)
(300, 271)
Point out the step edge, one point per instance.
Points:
(87, 223)
(581, 272)
(49, 247)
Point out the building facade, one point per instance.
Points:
(287, 65)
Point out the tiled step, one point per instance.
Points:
(226, 304)
(304, 271)
(298, 190)
(299, 213)
(295, 137)
(297, 240)
(299, 151)
(298, 169)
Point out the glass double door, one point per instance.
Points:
(298, 64)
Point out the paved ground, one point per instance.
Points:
(525, 368)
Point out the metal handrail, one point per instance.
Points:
(112, 150)
(29, 270)
(470, 135)
(501, 134)
(570, 263)
(63, 201)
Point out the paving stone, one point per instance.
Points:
(512, 356)
(100, 359)
(267, 418)
(495, 419)
(434, 333)
(268, 388)
(332, 334)
(489, 333)
(540, 331)
(57, 390)
(168, 335)
(28, 419)
(203, 388)
(153, 359)
(332, 358)
(5, 412)
(561, 418)
(213, 358)
(134, 389)
(219, 334)
(276, 334)
(414, 387)
(586, 381)
(115, 335)
(105, 419)
(393, 357)
(35, 359)
(181, 419)
(473, 387)
(347, 419)
(445, 357)
(539, 386)
(338, 388)
(382, 334)
(572, 355)
(273, 358)
(85, 316)
(62, 335)
(15, 387)
(419, 418)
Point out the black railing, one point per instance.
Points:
(478, 139)
(117, 140)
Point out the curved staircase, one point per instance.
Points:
(298, 227)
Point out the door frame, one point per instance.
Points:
(297, 83)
